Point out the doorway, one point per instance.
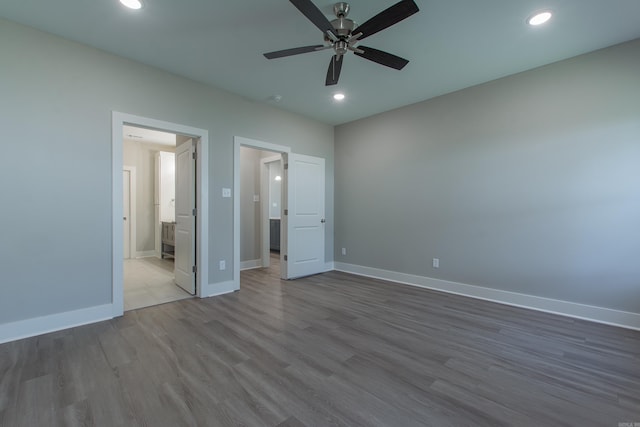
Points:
(303, 218)
(271, 179)
(154, 262)
(260, 208)
(241, 144)
(148, 258)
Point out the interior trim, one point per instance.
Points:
(54, 322)
(252, 263)
(147, 254)
(607, 316)
(215, 289)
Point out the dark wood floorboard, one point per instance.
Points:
(328, 350)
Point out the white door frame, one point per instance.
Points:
(133, 243)
(118, 120)
(265, 208)
(238, 142)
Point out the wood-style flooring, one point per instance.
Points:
(328, 350)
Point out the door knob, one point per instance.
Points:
(124, 218)
(322, 220)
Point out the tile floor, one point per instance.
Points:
(150, 281)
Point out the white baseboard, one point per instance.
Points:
(214, 289)
(146, 254)
(607, 316)
(54, 322)
(329, 266)
(253, 263)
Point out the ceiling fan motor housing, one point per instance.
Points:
(343, 27)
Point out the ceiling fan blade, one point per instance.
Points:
(333, 73)
(294, 51)
(314, 15)
(387, 18)
(383, 58)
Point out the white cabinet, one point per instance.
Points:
(165, 188)
(164, 195)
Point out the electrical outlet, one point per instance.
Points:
(344, 251)
(226, 192)
(223, 264)
(436, 263)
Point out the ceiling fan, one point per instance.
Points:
(343, 35)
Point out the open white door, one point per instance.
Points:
(185, 249)
(304, 216)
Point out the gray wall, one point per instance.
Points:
(249, 210)
(275, 189)
(530, 183)
(55, 114)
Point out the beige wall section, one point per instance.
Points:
(529, 184)
(181, 139)
(57, 98)
(142, 156)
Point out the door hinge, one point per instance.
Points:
(194, 155)
(286, 166)
(286, 211)
(194, 269)
(195, 211)
(286, 258)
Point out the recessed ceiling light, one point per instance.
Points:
(338, 96)
(132, 4)
(539, 18)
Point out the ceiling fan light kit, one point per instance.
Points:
(343, 35)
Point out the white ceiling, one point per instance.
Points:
(452, 44)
